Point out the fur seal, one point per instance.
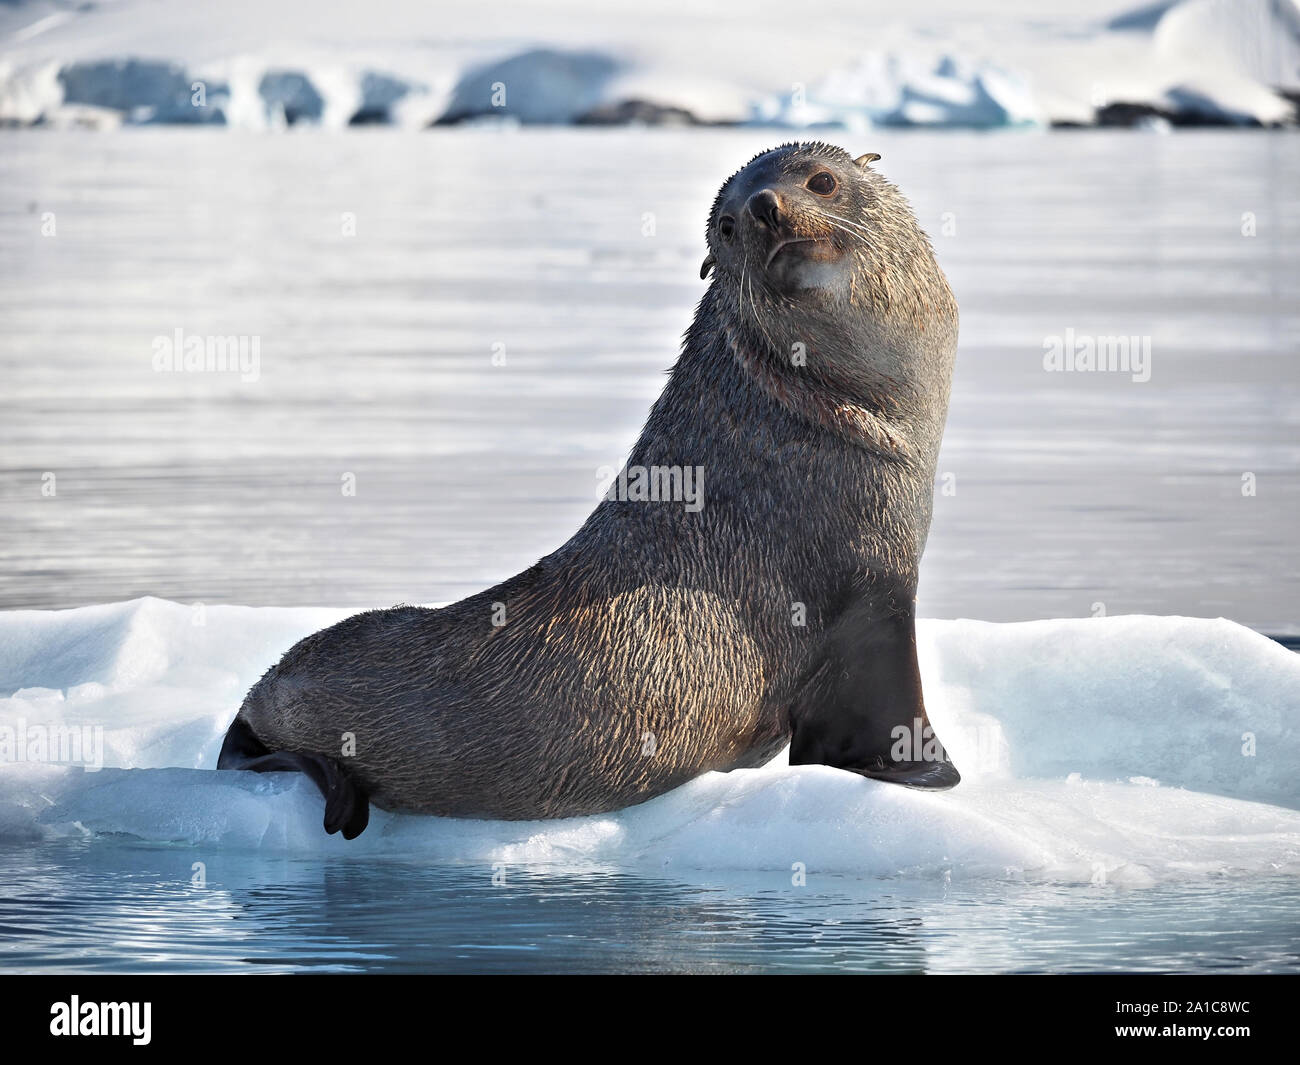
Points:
(665, 640)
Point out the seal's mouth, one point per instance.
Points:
(791, 242)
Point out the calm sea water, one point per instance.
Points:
(138, 909)
(380, 271)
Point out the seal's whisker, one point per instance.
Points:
(753, 309)
(759, 321)
(849, 222)
(858, 231)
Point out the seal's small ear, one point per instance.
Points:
(864, 160)
(706, 266)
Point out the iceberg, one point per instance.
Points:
(908, 89)
(538, 87)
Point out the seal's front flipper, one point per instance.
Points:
(936, 776)
(861, 708)
(347, 808)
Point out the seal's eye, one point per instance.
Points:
(823, 184)
(726, 227)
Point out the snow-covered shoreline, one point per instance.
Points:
(1192, 62)
(1125, 750)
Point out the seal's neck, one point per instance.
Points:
(860, 370)
(869, 419)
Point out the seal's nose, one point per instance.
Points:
(766, 208)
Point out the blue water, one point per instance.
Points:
(122, 907)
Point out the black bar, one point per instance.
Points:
(259, 1014)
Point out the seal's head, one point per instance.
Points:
(828, 292)
(793, 219)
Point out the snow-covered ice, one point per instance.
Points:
(1134, 750)
(409, 63)
(908, 89)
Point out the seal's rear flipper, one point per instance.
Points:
(347, 808)
(861, 708)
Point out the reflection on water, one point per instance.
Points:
(1066, 490)
(125, 907)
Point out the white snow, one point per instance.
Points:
(1108, 749)
(1254, 39)
(908, 89)
(1008, 64)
